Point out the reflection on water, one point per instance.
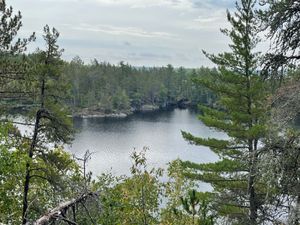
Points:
(113, 140)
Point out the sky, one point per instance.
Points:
(139, 32)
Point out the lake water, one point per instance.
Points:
(113, 140)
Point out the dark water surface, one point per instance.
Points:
(113, 140)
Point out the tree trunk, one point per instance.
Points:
(30, 154)
(27, 176)
(252, 198)
(57, 213)
(251, 188)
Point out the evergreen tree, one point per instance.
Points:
(12, 65)
(197, 207)
(280, 160)
(9, 27)
(282, 22)
(241, 115)
(50, 115)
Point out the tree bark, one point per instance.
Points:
(57, 212)
(27, 176)
(30, 154)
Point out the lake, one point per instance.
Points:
(113, 140)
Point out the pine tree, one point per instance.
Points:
(50, 115)
(282, 22)
(12, 65)
(240, 114)
(9, 27)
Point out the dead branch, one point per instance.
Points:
(60, 211)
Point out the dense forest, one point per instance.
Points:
(252, 97)
(104, 88)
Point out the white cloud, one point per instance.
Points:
(212, 20)
(180, 4)
(142, 32)
(128, 31)
(205, 20)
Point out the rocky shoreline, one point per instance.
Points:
(92, 113)
(98, 113)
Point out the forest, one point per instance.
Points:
(102, 88)
(253, 97)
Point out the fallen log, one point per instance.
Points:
(59, 212)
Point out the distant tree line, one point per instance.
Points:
(104, 88)
(110, 88)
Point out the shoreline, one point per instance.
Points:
(87, 113)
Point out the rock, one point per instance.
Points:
(97, 114)
(149, 108)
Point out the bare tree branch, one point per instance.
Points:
(57, 212)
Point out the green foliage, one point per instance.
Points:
(197, 207)
(9, 27)
(176, 186)
(241, 113)
(11, 173)
(143, 198)
(110, 88)
(280, 19)
(51, 124)
(121, 101)
(256, 178)
(51, 177)
(12, 63)
(134, 199)
(50, 91)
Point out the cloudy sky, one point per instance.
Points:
(140, 32)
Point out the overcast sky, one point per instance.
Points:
(140, 32)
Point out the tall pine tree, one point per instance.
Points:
(240, 114)
(52, 125)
